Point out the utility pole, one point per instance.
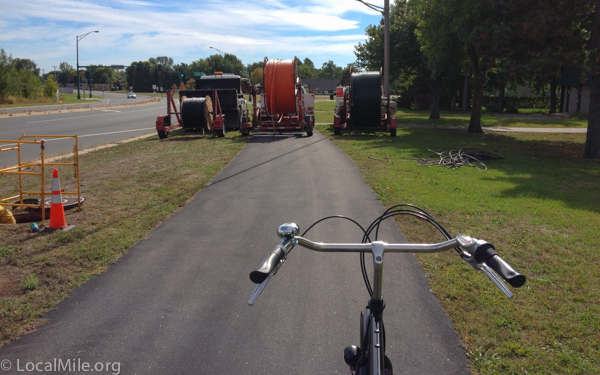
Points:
(54, 66)
(385, 11)
(77, 39)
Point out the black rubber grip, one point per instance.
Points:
(487, 254)
(266, 266)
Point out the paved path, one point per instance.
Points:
(177, 302)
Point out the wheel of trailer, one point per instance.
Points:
(221, 133)
(161, 134)
(337, 131)
(392, 132)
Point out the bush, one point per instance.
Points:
(31, 282)
(50, 86)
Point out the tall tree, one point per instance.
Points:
(307, 69)
(7, 72)
(27, 65)
(592, 143)
(442, 50)
(257, 76)
(330, 71)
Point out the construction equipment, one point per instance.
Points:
(217, 104)
(362, 107)
(284, 104)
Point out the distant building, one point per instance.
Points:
(322, 86)
(575, 92)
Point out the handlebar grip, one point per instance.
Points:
(486, 253)
(261, 273)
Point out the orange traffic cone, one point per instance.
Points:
(57, 211)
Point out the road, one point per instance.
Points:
(176, 303)
(92, 128)
(109, 99)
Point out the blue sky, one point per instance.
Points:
(132, 30)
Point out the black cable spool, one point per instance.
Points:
(365, 99)
(193, 113)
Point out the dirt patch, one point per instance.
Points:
(10, 278)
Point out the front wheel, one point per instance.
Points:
(392, 132)
(221, 132)
(162, 134)
(337, 131)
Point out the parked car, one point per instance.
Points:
(131, 95)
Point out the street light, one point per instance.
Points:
(386, 42)
(78, 38)
(224, 53)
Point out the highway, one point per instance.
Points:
(93, 128)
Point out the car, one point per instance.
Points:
(131, 95)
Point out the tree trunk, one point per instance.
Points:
(435, 86)
(475, 122)
(592, 142)
(553, 96)
(501, 98)
(465, 96)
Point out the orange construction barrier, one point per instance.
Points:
(280, 86)
(57, 211)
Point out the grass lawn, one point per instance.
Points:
(539, 205)
(324, 112)
(65, 99)
(459, 118)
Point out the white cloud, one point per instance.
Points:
(133, 30)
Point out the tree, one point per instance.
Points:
(50, 86)
(189, 85)
(27, 65)
(479, 28)
(29, 85)
(65, 73)
(330, 71)
(441, 50)
(307, 70)
(257, 76)
(592, 143)
(7, 72)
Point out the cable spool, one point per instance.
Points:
(196, 113)
(280, 86)
(365, 99)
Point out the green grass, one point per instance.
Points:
(540, 206)
(64, 99)
(459, 118)
(324, 112)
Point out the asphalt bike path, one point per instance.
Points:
(176, 303)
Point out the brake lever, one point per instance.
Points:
(258, 290)
(471, 244)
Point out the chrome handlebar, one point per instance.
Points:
(288, 232)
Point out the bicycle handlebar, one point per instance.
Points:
(481, 255)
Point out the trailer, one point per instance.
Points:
(216, 104)
(362, 107)
(281, 104)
